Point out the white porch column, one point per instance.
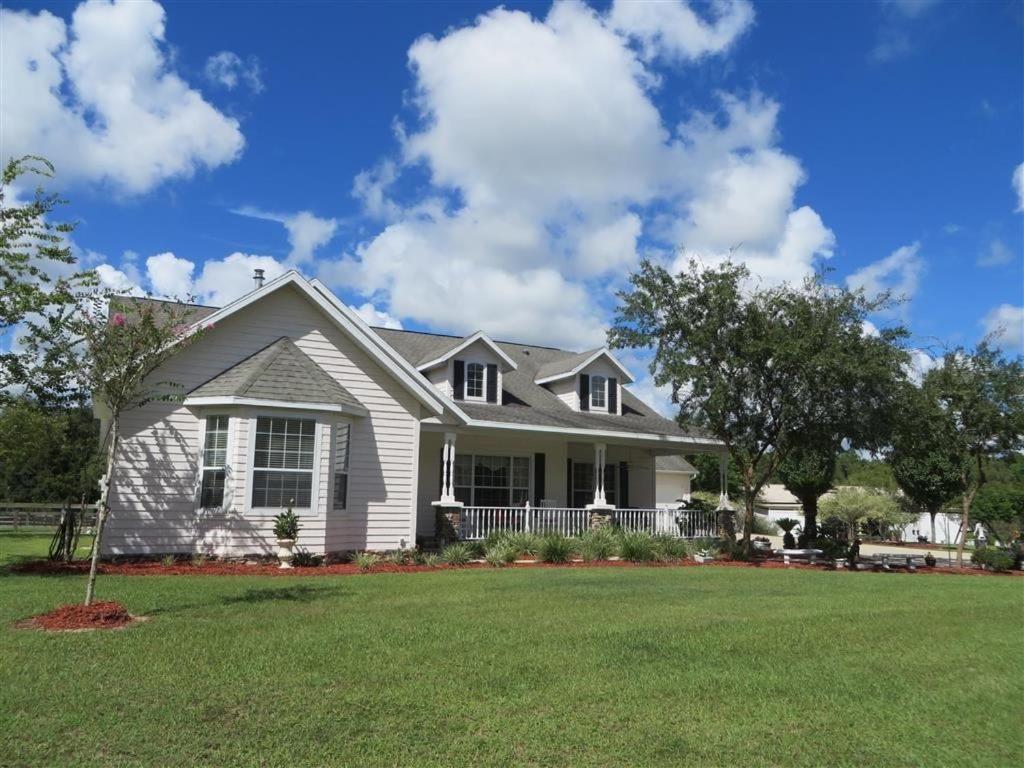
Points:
(448, 469)
(600, 451)
(723, 481)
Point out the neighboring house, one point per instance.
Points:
(291, 396)
(776, 503)
(673, 475)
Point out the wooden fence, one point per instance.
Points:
(16, 515)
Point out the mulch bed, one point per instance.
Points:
(213, 567)
(76, 618)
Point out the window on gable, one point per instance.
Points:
(475, 380)
(214, 462)
(598, 392)
(283, 462)
(342, 435)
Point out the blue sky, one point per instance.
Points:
(453, 166)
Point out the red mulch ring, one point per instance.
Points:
(67, 618)
(213, 567)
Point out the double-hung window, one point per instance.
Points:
(491, 481)
(583, 483)
(214, 460)
(342, 435)
(475, 373)
(283, 458)
(598, 393)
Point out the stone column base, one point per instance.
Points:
(601, 515)
(448, 520)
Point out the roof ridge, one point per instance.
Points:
(468, 335)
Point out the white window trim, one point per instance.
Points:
(201, 459)
(482, 398)
(314, 500)
(510, 456)
(333, 468)
(604, 389)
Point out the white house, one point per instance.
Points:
(374, 433)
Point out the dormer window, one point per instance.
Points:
(475, 381)
(598, 393)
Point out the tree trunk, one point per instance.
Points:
(102, 510)
(965, 526)
(932, 513)
(810, 505)
(748, 520)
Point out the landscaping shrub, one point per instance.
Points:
(418, 556)
(554, 548)
(365, 560)
(670, 549)
(637, 547)
(286, 525)
(996, 558)
(398, 557)
(303, 558)
(599, 544)
(500, 554)
(476, 549)
(431, 560)
(787, 524)
(524, 543)
(459, 553)
(167, 561)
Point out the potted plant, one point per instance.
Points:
(929, 560)
(704, 555)
(286, 529)
(787, 524)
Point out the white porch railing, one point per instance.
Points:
(480, 522)
(680, 523)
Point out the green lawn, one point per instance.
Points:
(646, 666)
(32, 542)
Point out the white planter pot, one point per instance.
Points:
(284, 552)
(703, 559)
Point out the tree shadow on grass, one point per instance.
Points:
(297, 593)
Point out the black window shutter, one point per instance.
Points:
(460, 379)
(492, 383)
(613, 395)
(623, 484)
(568, 482)
(584, 392)
(538, 478)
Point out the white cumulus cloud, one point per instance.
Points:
(1005, 325)
(229, 70)
(306, 231)
(548, 161)
(674, 30)
(100, 98)
(169, 276)
(898, 273)
(1018, 185)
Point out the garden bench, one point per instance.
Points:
(811, 555)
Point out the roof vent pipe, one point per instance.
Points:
(257, 277)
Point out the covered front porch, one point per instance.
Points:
(481, 481)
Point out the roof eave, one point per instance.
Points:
(235, 400)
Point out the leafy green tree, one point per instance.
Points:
(47, 454)
(854, 469)
(854, 506)
(1000, 506)
(706, 479)
(112, 348)
(982, 396)
(758, 366)
(807, 473)
(33, 251)
(925, 461)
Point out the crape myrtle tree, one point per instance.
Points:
(112, 347)
(981, 394)
(758, 366)
(36, 267)
(925, 460)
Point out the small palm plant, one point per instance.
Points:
(787, 524)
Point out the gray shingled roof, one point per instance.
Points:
(527, 403)
(673, 464)
(282, 372)
(563, 365)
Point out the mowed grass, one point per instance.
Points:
(554, 667)
(33, 542)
